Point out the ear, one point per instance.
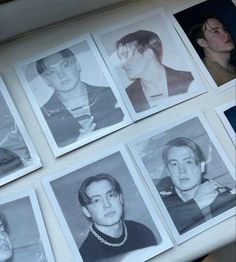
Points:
(86, 212)
(203, 166)
(148, 54)
(202, 42)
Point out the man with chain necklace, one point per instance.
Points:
(110, 235)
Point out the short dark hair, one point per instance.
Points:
(185, 142)
(82, 196)
(3, 221)
(144, 39)
(65, 53)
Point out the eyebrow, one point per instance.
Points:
(183, 158)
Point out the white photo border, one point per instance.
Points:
(179, 239)
(178, 43)
(166, 241)
(58, 151)
(35, 162)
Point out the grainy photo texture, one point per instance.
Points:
(141, 54)
(101, 203)
(73, 94)
(191, 173)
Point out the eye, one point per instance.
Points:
(95, 200)
(172, 164)
(49, 72)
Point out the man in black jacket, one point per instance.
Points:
(190, 198)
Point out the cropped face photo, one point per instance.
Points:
(22, 233)
(140, 54)
(189, 175)
(97, 207)
(73, 95)
(17, 153)
(209, 30)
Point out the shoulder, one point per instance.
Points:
(136, 226)
(178, 81)
(140, 233)
(133, 87)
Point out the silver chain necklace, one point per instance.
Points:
(102, 240)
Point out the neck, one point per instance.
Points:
(77, 91)
(188, 194)
(221, 58)
(115, 230)
(151, 76)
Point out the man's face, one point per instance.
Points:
(5, 244)
(63, 74)
(185, 173)
(217, 38)
(106, 207)
(132, 61)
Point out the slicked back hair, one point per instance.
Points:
(143, 39)
(82, 196)
(65, 53)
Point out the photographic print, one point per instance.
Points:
(98, 206)
(72, 94)
(189, 175)
(208, 29)
(149, 63)
(17, 153)
(23, 236)
(227, 114)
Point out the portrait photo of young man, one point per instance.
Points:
(77, 98)
(189, 175)
(108, 217)
(140, 54)
(210, 35)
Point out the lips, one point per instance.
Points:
(184, 180)
(110, 214)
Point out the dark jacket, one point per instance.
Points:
(65, 128)
(178, 82)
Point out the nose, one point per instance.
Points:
(106, 202)
(60, 73)
(182, 169)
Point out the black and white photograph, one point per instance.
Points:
(189, 175)
(208, 29)
(72, 94)
(227, 115)
(105, 212)
(23, 236)
(149, 63)
(17, 153)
